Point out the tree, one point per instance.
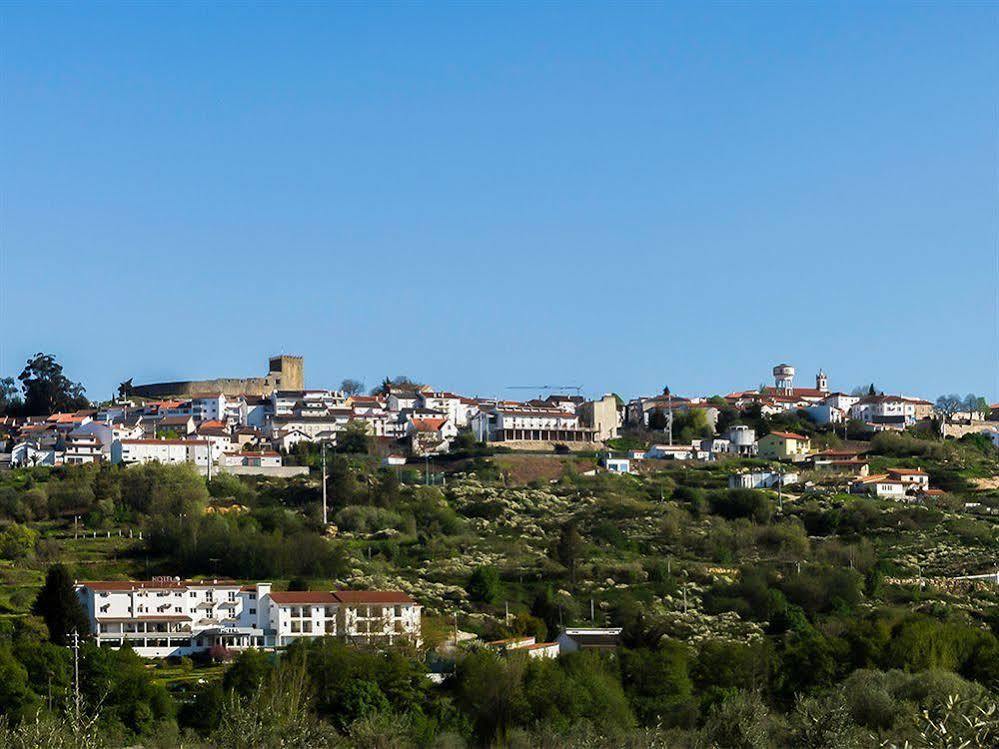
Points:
(658, 681)
(10, 399)
(399, 381)
(17, 541)
(352, 387)
(354, 438)
(491, 692)
(975, 404)
(950, 404)
(58, 604)
(47, 389)
(247, 672)
(569, 548)
(484, 585)
(125, 389)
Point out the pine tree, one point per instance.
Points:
(58, 604)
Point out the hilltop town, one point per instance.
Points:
(713, 562)
(251, 426)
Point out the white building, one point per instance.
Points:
(574, 639)
(29, 453)
(171, 617)
(198, 452)
(525, 645)
(616, 465)
(692, 451)
(209, 406)
(84, 448)
(355, 615)
(841, 401)
(742, 440)
(887, 410)
(518, 422)
(452, 406)
(761, 480)
(251, 459)
(308, 403)
(897, 483)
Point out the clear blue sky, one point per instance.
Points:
(478, 195)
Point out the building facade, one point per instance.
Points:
(172, 617)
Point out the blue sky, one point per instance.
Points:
(482, 195)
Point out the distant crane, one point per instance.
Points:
(577, 388)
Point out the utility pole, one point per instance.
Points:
(325, 511)
(780, 488)
(76, 678)
(428, 469)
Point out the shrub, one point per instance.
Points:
(742, 503)
(484, 585)
(365, 519)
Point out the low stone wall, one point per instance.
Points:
(226, 385)
(976, 427)
(284, 472)
(546, 446)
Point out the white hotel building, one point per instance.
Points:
(518, 422)
(171, 617)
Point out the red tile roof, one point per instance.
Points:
(789, 435)
(111, 585)
(303, 596)
(429, 425)
(372, 596)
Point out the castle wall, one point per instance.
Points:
(285, 373)
(226, 385)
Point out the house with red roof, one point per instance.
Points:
(784, 446)
(168, 616)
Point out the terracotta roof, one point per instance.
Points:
(121, 585)
(789, 435)
(907, 471)
(429, 425)
(147, 618)
(303, 596)
(508, 640)
(372, 596)
(180, 419)
(800, 392)
(165, 442)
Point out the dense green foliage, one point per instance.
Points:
(823, 620)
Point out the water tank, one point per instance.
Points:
(783, 371)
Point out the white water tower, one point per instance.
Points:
(784, 378)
